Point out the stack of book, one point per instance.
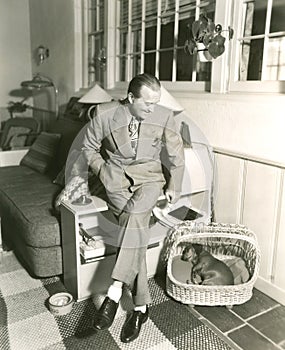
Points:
(92, 247)
(92, 251)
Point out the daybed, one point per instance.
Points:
(30, 225)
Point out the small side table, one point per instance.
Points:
(84, 278)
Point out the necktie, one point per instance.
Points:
(134, 133)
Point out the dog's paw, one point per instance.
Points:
(196, 279)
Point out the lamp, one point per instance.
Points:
(41, 82)
(168, 101)
(42, 53)
(96, 95)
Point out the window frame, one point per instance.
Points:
(193, 85)
(255, 86)
(224, 69)
(111, 77)
(81, 43)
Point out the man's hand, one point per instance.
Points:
(172, 196)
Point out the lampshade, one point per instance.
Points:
(167, 100)
(96, 95)
(40, 82)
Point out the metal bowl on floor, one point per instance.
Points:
(60, 303)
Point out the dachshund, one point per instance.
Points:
(206, 269)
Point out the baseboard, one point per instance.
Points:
(271, 290)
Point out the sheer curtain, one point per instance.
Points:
(248, 21)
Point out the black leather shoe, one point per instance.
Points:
(132, 326)
(104, 317)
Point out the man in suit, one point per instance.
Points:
(123, 145)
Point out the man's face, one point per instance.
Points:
(142, 107)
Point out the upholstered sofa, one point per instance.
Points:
(30, 225)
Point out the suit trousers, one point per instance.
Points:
(133, 211)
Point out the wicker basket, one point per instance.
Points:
(222, 241)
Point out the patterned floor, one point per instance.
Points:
(26, 323)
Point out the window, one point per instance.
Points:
(121, 38)
(95, 25)
(89, 37)
(151, 37)
(96, 51)
(260, 45)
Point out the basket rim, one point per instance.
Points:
(251, 281)
(201, 227)
(183, 238)
(221, 235)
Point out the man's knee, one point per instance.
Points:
(143, 199)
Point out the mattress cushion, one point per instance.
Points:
(26, 206)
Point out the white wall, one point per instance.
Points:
(52, 25)
(253, 124)
(15, 50)
(248, 191)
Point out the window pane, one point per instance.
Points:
(184, 30)
(150, 38)
(277, 23)
(91, 75)
(165, 65)
(149, 63)
(168, 5)
(184, 66)
(91, 50)
(137, 35)
(94, 69)
(255, 17)
(92, 20)
(123, 65)
(96, 15)
(101, 15)
(136, 11)
(136, 64)
(204, 71)
(275, 69)
(124, 10)
(169, 45)
(187, 7)
(151, 9)
(251, 59)
(167, 32)
(123, 43)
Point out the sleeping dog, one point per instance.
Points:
(206, 269)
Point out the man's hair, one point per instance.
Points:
(141, 80)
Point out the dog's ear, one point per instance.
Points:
(198, 248)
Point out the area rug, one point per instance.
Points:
(26, 322)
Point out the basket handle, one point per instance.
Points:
(191, 228)
(241, 229)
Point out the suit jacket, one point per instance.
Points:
(107, 147)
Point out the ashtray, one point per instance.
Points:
(83, 200)
(60, 303)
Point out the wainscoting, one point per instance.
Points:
(251, 191)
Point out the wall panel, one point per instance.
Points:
(279, 262)
(259, 210)
(227, 188)
(251, 191)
